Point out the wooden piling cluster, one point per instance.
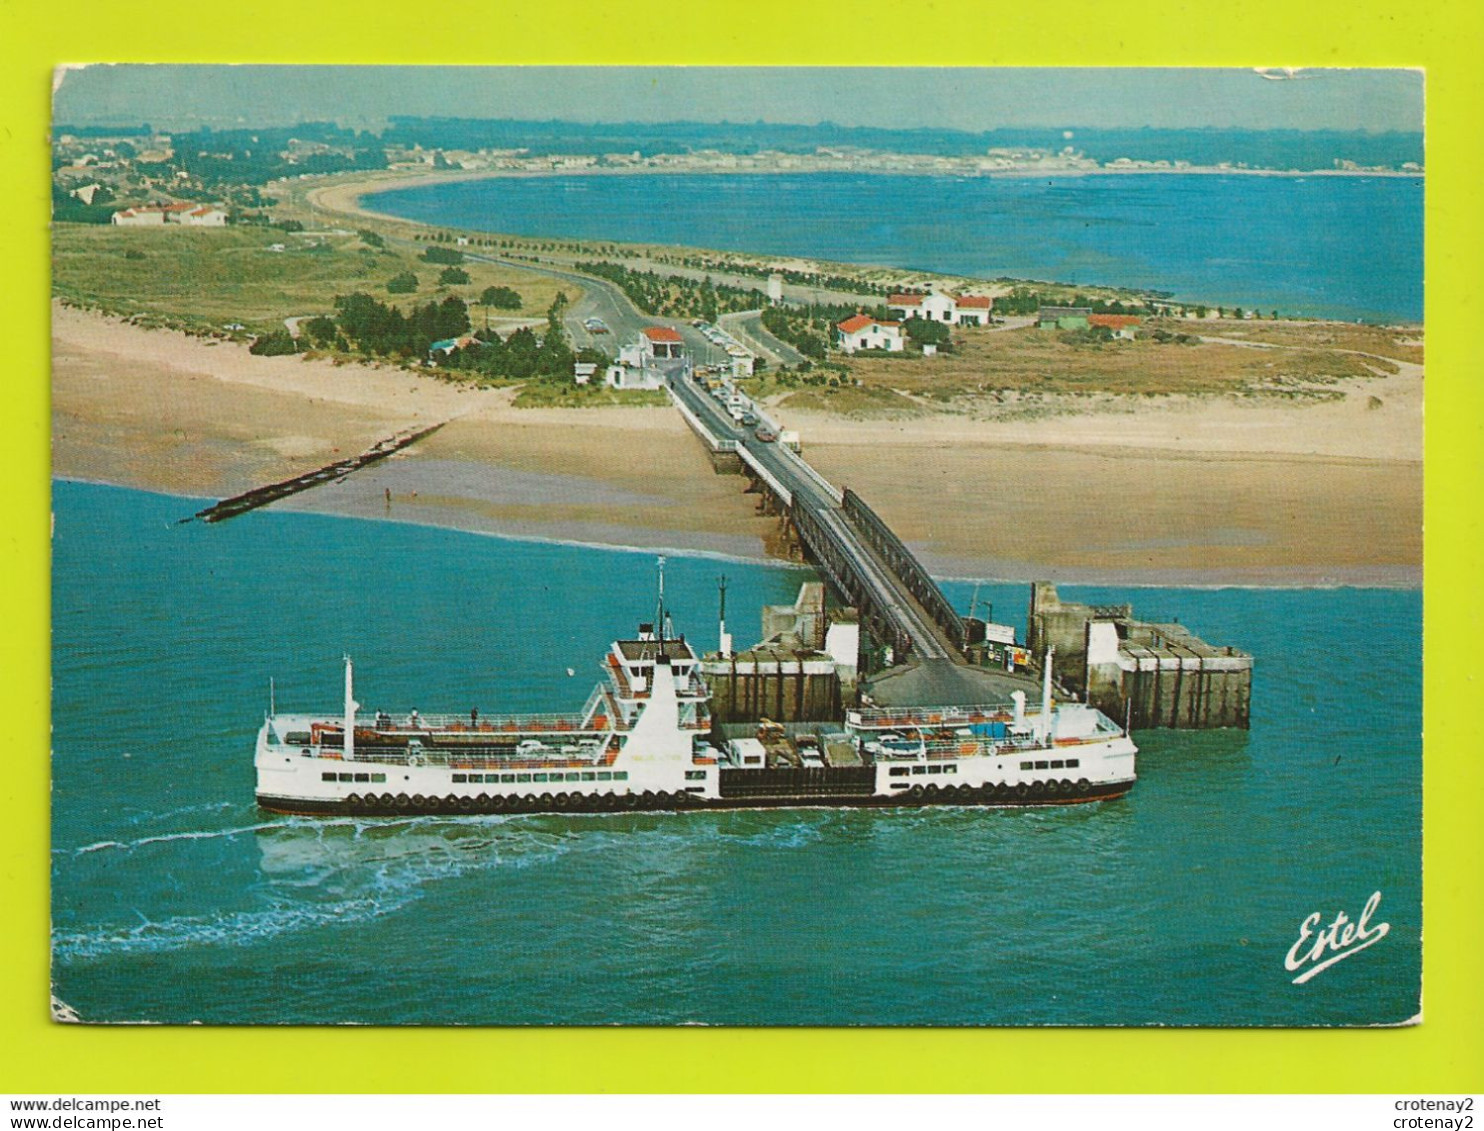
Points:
(774, 683)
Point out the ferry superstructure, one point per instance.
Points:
(642, 742)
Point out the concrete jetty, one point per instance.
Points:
(1152, 675)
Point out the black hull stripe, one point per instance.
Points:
(634, 803)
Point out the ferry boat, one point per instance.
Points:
(643, 742)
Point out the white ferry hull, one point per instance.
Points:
(416, 805)
(292, 782)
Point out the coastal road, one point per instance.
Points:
(600, 299)
(747, 327)
(607, 302)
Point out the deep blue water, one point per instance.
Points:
(1334, 247)
(175, 899)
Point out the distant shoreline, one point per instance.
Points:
(417, 178)
(358, 187)
(353, 196)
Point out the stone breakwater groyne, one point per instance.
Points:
(330, 473)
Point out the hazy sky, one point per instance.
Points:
(172, 96)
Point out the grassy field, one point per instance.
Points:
(546, 394)
(206, 279)
(1382, 341)
(992, 369)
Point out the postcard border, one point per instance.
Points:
(1442, 1054)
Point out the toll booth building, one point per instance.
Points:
(658, 354)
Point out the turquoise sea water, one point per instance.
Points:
(175, 899)
(1334, 247)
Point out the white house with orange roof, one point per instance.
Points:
(940, 306)
(652, 359)
(203, 216)
(139, 218)
(187, 214)
(973, 310)
(1125, 326)
(862, 332)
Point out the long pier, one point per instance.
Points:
(900, 605)
(330, 473)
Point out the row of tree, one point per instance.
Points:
(677, 296)
(816, 279)
(364, 324)
(522, 356)
(811, 329)
(1029, 300)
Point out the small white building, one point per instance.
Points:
(582, 372)
(863, 332)
(622, 376)
(775, 289)
(1122, 326)
(652, 359)
(207, 216)
(139, 218)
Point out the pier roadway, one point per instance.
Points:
(940, 677)
(854, 566)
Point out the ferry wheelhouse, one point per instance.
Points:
(639, 741)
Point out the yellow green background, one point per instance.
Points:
(1444, 1054)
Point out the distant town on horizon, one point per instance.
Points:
(260, 153)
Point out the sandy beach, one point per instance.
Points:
(1169, 491)
(164, 411)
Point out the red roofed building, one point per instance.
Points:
(662, 341)
(187, 213)
(139, 218)
(1122, 325)
(202, 216)
(861, 332)
(940, 306)
(650, 360)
